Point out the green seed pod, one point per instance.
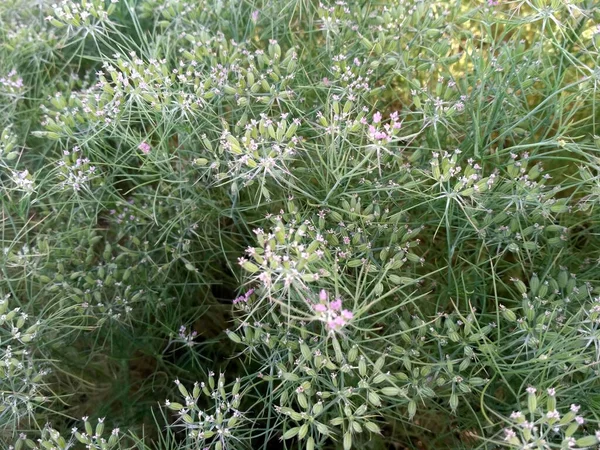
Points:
(560, 207)
(45, 279)
(372, 427)
(347, 107)
(551, 403)
(250, 267)
(353, 354)
(520, 286)
(196, 390)
(322, 428)
(339, 356)
(234, 144)
(78, 436)
(378, 289)
(336, 107)
(317, 408)
(508, 314)
(347, 440)
(390, 391)
(453, 402)
(182, 389)
(563, 278)
(306, 353)
(379, 378)
(303, 431)
(534, 284)
(107, 252)
(571, 429)
(265, 85)
(229, 90)
(362, 366)
(100, 428)
(290, 433)
(88, 428)
(412, 409)
(531, 402)
(284, 398)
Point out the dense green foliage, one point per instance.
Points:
(292, 224)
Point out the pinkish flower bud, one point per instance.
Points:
(144, 147)
(323, 295)
(348, 315)
(319, 307)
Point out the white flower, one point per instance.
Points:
(575, 408)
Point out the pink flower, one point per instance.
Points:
(243, 298)
(348, 315)
(144, 147)
(339, 321)
(330, 312)
(336, 305)
(336, 323)
(377, 134)
(319, 307)
(377, 117)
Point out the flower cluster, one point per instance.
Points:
(331, 312)
(76, 171)
(546, 426)
(243, 298)
(80, 15)
(383, 132)
(22, 377)
(286, 257)
(213, 427)
(266, 150)
(92, 437)
(11, 84)
(23, 181)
